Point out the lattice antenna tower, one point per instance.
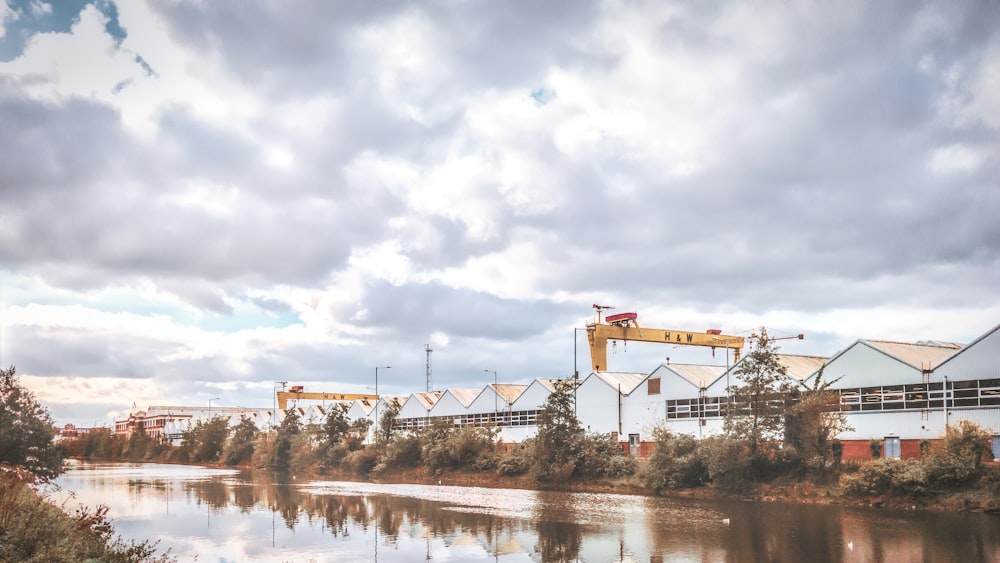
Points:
(427, 348)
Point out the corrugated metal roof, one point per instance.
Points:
(628, 381)
(920, 356)
(801, 367)
(550, 382)
(427, 399)
(698, 375)
(465, 396)
(510, 391)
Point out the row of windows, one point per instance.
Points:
(918, 396)
(509, 419)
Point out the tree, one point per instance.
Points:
(558, 443)
(281, 455)
(386, 421)
(206, 440)
(676, 462)
(813, 422)
(333, 437)
(240, 446)
(757, 411)
(26, 432)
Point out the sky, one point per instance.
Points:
(199, 199)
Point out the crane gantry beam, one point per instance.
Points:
(624, 327)
(285, 396)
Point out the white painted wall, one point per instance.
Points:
(863, 366)
(597, 406)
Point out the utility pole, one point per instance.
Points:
(427, 349)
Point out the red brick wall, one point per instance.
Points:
(858, 450)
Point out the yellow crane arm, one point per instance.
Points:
(599, 334)
(285, 396)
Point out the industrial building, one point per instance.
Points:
(900, 393)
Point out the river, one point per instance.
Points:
(218, 515)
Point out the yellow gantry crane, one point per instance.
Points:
(624, 326)
(296, 392)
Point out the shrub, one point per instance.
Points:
(904, 478)
(602, 456)
(360, 462)
(729, 464)
(677, 462)
(961, 460)
(518, 461)
(36, 530)
(401, 451)
(875, 446)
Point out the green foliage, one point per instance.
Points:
(387, 419)
(96, 444)
(239, 449)
(360, 462)
(34, 530)
(730, 465)
(206, 441)
(446, 448)
(602, 456)
(518, 460)
(962, 458)
(875, 446)
(26, 431)
(403, 451)
(677, 462)
(811, 423)
(959, 463)
(757, 414)
(281, 453)
(904, 478)
(559, 442)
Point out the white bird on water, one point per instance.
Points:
(850, 545)
(725, 521)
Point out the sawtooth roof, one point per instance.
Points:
(628, 380)
(699, 375)
(919, 356)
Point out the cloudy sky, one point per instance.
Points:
(198, 199)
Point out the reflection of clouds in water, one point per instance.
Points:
(580, 508)
(508, 503)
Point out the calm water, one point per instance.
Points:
(219, 515)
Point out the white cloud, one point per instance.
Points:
(957, 158)
(6, 15)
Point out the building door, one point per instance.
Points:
(633, 445)
(893, 448)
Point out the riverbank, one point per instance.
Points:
(975, 497)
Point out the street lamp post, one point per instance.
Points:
(495, 393)
(274, 401)
(377, 398)
(210, 407)
(576, 372)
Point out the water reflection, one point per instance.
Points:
(218, 515)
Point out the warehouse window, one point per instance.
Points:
(653, 386)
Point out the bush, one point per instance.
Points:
(602, 456)
(904, 478)
(677, 462)
(518, 461)
(401, 451)
(36, 530)
(875, 446)
(961, 460)
(360, 462)
(729, 464)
